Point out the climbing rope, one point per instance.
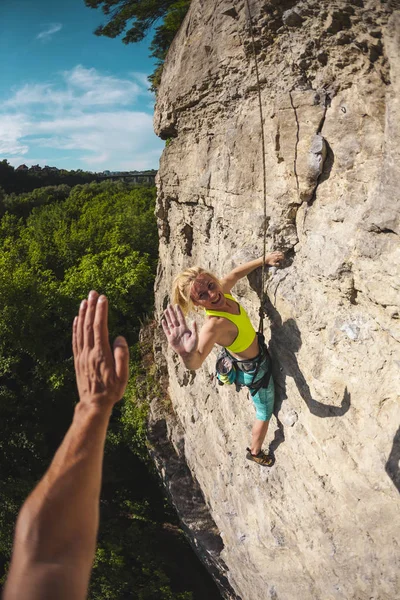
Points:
(261, 311)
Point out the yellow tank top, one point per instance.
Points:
(246, 332)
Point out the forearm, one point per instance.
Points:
(193, 360)
(65, 504)
(59, 521)
(243, 270)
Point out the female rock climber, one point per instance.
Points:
(244, 359)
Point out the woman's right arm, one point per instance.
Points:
(191, 347)
(271, 259)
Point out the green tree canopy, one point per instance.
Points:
(100, 236)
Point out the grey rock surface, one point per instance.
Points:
(323, 522)
(291, 18)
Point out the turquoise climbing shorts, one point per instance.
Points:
(264, 398)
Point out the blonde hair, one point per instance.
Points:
(182, 287)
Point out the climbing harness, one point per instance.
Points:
(261, 310)
(227, 366)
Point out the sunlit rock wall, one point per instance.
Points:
(323, 522)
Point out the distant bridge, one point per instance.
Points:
(130, 177)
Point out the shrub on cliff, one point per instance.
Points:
(136, 17)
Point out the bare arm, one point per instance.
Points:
(191, 347)
(57, 526)
(233, 277)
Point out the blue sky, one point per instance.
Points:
(71, 99)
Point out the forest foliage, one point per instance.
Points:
(56, 244)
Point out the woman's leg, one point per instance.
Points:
(258, 433)
(263, 401)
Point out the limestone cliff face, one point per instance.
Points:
(323, 522)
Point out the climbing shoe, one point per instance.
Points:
(262, 459)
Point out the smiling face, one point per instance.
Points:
(207, 293)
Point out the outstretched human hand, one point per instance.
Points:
(182, 339)
(101, 374)
(274, 258)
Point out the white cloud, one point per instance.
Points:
(15, 161)
(147, 160)
(90, 114)
(38, 93)
(143, 79)
(96, 89)
(81, 88)
(11, 131)
(48, 33)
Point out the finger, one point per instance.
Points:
(172, 319)
(100, 324)
(174, 313)
(74, 338)
(167, 317)
(80, 324)
(180, 316)
(88, 338)
(121, 358)
(167, 330)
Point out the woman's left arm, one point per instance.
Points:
(271, 259)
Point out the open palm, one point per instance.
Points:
(182, 339)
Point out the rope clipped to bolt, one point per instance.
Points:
(261, 310)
